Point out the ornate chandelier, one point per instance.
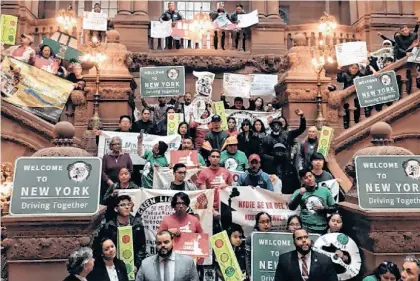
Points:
(66, 18)
(327, 24)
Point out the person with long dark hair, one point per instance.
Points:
(183, 130)
(247, 141)
(386, 271)
(45, 60)
(256, 105)
(293, 222)
(263, 223)
(231, 123)
(198, 130)
(259, 129)
(107, 265)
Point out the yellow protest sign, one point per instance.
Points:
(219, 109)
(226, 258)
(325, 139)
(8, 29)
(126, 250)
(173, 123)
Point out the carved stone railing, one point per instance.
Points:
(210, 40)
(342, 103)
(342, 34)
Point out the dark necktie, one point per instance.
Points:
(305, 273)
(166, 270)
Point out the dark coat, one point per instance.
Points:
(321, 269)
(71, 277)
(403, 43)
(248, 146)
(149, 127)
(99, 272)
(174, 16)
(110, 230)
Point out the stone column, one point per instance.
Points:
(260, 6)
(273, 9)
(141, 7)
(124, 7)
(386, 17)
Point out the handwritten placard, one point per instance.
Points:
(160, 29)
(351, 53)
(263, 84)
(95, 21)
(236, 85)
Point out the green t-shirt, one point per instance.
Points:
(147, 177)
(201, 160)
(314, 221)
(370, 278)
(235, 162)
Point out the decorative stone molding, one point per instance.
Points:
(21, 140)
(109, 90)
(217, 63)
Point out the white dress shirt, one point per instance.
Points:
(171, 265)
(112, 273)
(307, 260)
(80, 277)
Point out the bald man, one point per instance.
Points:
(308, 146)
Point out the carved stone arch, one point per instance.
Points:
(21, 140)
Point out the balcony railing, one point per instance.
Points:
(342, 34)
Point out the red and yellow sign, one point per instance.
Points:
(126, 249)
(325, 139)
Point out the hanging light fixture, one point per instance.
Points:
(327, 24)
(66, 18)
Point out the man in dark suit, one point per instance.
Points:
(166, 265)
(304, 264)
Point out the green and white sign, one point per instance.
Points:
(162, 81)
(266, 249)
(56, 186)
(388, 182)
(372, 90)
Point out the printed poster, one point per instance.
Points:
(241, 115)
(219, 109)
(204, 83)
(226, 257)
(163, 176)
(325, 138)
(34, 90)
(187, 157)
(161, 29)
(195, 245)
(262, 85)
(377, 89)
(153, 204)
(126, 250)
(251, 201)
(351, 52)
(8, 29)
(173, 123)
(95, 21)
(129, 144)
(249, 19)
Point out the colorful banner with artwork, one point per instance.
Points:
(129, 144)
(8, 29)
(153, 204)
(34, 90)
(325, 138)
(251, 201)
(241, 115)
(225, 257)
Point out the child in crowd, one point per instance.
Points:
(124, 182)
(335, 223)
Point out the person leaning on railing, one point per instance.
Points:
(174, 16)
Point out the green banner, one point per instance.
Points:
(63, 46)
(162, 81)
(56, 186)
(34, 89)
(8, 29)
(388, 182)
(266, 249)
(377, 89)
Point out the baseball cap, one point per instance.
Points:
(216, 118)
(29, 37)
(254, 157)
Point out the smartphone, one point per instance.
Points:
(141, 133)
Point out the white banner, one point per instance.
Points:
(415, 55)
(160, 29)
(236, 85)
(334, 188)
(251, 201)
(162, 176)
(263, 84)
(246, 20)
(241, 115)
(351, 53)
(129, 144)
(95, 21)
(153, 204)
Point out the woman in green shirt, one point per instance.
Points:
(154, 158)
(386, 271)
